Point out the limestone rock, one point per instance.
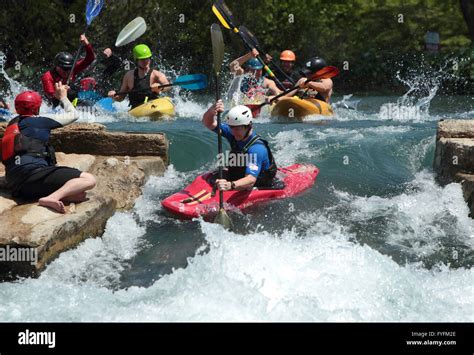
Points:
(453, 155)
(87, 138)
(455, 129)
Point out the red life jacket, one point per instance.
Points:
(10, 141)
(14, 143)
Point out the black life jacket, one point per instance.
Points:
(310, 94)
(142, 85)
(284, 80)
(15, 144)
(265, 178)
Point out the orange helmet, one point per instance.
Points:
(288, 56)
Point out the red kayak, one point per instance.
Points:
(198, 199)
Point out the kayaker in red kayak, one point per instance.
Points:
(250, 162)
(254, 85)
(321, 89)
(143, 82)
(62, 66)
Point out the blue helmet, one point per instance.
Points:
(254, 63)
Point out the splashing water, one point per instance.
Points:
(14, 87)
(3, 59)
(414, 105)
(347, 102)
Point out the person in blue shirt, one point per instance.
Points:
(4, 110)
(254, 85)
(30, 162)
(250, 162)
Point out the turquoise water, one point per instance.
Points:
(376, 239)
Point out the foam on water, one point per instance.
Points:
(148, 204)
(289, 145)
(355, 135)
(318, 275)
(424, 220)
(346, 102)
(100, 261)
(186, 107)
(315, 272)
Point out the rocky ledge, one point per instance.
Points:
(454, 156)
(31, 236)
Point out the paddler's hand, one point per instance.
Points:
(84, 40)
(223, 185)
(112, 93)
(302, 83)
(107, 52)
(268, 58)
(156, 88)
(216, 107)
(60, 90)
(255, 53)
(219, 107)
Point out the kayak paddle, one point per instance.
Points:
(254, 42)
(190, 82)
(93, 8)
(131, 32)
(224, 15)
(324, 73)
(218, 52)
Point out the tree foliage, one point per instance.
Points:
(370, 37)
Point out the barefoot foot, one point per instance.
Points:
(56, 205)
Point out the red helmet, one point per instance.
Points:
(28, 103)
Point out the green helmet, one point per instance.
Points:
(141, 51)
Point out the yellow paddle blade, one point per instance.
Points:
(220, 17)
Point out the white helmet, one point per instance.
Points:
(239, 116)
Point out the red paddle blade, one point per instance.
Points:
(325, 73)
(255, 108)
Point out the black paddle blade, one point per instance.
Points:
(225, 12)
(217, 47)
(224, 220)
(249, 37)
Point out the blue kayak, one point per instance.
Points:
(93, 98)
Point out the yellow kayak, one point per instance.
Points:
(294, 107)
(154, 109)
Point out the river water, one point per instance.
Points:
(376, 239)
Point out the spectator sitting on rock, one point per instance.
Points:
(30, 162)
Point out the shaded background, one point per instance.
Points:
(367, 34)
